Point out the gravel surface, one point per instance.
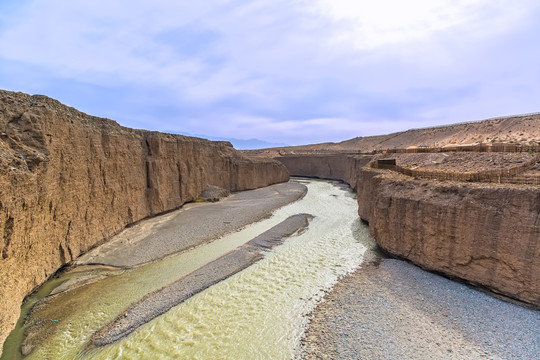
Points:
(162, 300)
(395, 310)
(180, 230)
(462, 162)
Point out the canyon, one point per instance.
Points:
(487, 234)
(463, 199)
(70, 181)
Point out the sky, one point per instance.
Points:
(282, 71)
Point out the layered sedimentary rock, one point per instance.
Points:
(486, 234)
(69, 181)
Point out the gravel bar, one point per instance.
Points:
(153, 239)
(162, 300)
(395, 310)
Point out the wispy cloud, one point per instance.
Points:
(284, 71)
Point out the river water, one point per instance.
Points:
(259, 313)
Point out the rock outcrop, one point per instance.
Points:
(69, 181)
(486, 234)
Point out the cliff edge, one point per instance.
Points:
(69, 181)
(486, 234)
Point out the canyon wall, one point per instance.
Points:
(331, 166)
(486, 234)
(69, 181)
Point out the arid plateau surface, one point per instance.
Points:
(83, 194)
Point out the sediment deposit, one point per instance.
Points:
(69, 181)
(485, 233)
(181, 230)
(394, 310)
(162, 300)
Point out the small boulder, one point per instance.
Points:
(214, 193)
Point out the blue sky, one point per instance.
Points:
(283, 71)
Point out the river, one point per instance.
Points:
(259, 313)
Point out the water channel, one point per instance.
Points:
(258, 313)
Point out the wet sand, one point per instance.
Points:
(395, 310)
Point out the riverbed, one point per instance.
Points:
(258, 313)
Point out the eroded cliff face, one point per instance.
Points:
(69, 181)
(486, 234)
(331, 166)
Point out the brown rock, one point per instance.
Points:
(214, 193)
(69, 181)
(331, 166)
(486, 234)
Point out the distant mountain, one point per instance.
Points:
(239, 144)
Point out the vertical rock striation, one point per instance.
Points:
(331, 166)
(486, 234)
(69, 181)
